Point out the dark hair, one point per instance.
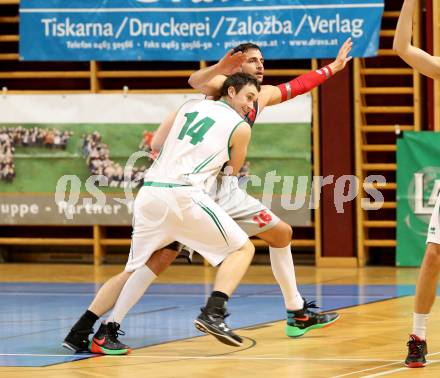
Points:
(245, 47)
(238, 81)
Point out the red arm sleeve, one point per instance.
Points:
(304, 83)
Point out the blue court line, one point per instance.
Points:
(35, 317)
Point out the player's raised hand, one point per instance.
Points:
(231, 63)
(342, 59)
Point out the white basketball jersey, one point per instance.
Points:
(197, 145)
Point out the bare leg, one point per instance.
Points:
(108, 294)
(162, 259)
(278, 236)
(233, 268)
(212, 318)
(428, 280)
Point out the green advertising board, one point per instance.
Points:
(50, 175)
(418, 184)
(281, 147)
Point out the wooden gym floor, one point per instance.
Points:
(368, 341)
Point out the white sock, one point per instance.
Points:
(132, 291)
(284, 272)
(419, 325)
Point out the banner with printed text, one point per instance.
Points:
(194, 30)
(63, 159)
(418, 186)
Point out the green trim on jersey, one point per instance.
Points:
(204, 163)
(230, 136)
(163, 184)
(215, 219)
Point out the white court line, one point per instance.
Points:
(382, 366)
(206, 357)
(197, 295)
(397, 370)
(364, 370)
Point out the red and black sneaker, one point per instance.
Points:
(301, 321)
(105, 341)
(417, 351)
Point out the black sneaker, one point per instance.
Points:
(214, 324)
(417, 350)
(301, 321)
(78, 340)
(105, 341)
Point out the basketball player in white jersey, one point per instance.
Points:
(427, 282)
(173, 205)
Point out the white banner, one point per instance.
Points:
(125, 108)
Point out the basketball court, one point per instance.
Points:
(368, 341)
(80, 108)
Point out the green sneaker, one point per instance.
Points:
(301, 321)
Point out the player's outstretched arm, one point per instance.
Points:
(238, 147)
(209, 80)
(272, 95)
(162, 132)
(420, 60)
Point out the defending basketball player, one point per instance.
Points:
(300, 314)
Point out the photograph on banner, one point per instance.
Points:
(418, 186)
(190, 30)
(76, 172)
